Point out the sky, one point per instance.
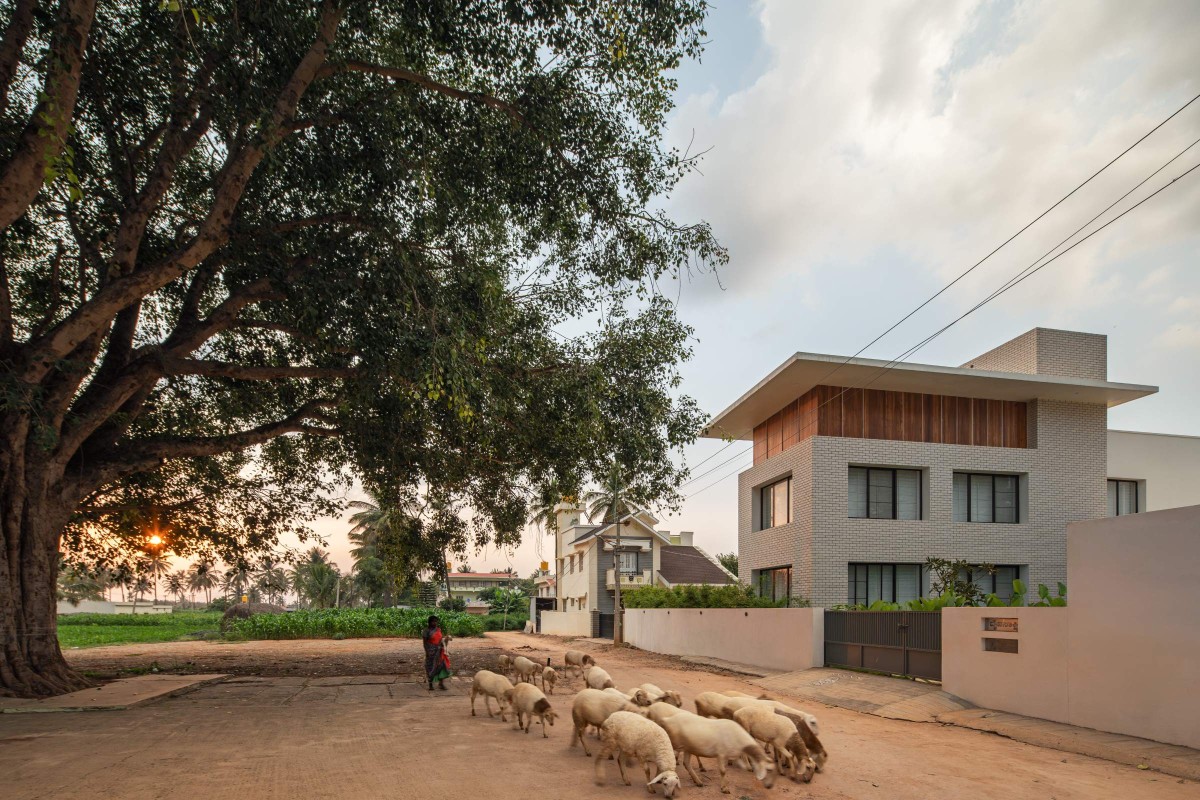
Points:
(860, 155)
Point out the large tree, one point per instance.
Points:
(249, 250)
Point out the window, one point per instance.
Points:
(999, 582)
(775, 583)
(1122, 498)
(894, 583)
(980, 497)
(776, 500)
(629, 563)
(884, 493)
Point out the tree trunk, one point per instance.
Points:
(31, 522)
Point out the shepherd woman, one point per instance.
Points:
(437, 663)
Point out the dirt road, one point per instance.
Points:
(379, 736)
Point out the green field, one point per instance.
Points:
(93, 630)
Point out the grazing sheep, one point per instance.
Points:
(525, 669)
(504, 663)
(711, 704)
(549, 676)
(529, 702)
(592, 707)
(637, 696)
(575, 660)
(657, 712)
(489, 684)
(658, 695)
(721, 739)
(597, 678)
(625, 733)
(781, 736)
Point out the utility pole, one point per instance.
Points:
(618, 615)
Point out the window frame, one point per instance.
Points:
(1016, 520)
(852, 597)
(895, 492)
(769, 572)
(766, 494)
(1134, 493)
(621, 554)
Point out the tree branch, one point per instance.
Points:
(13, 45)
(46, 131)
(426, 82)
(149, 454)
(244, 372)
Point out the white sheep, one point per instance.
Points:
(625, 733)
(657, 712)
(576, 661)
(504, 663)
(725, 704)
(489, 684)
(592, 707)
(525, 669)
(637, 696)
(657, 695)
(781, 736)
(549, 676)
(597, 678)
(721, 739)
(529, 702)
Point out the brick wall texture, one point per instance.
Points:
(1063, 474)
(1046, 351)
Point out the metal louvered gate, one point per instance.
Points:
(905, 643)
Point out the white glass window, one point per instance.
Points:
(908, 494)
(981, 497)
(629, 562)
(893, 583)
(878, 493)
(1122, 498)
(776, 503)
(879, 501)
(857, 492)
(962, 494)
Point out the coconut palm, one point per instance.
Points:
(156, 564)
(177, 584)
(204, 577)
(315, 579)
(237, 581)
(544, 516)
(611, 496)
(272, 579)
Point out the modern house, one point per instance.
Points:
(862, 469)
(468, 585)
(588, 564)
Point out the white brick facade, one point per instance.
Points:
(1062, 480)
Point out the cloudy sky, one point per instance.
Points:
(863, 154)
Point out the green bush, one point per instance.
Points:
(735, 595)
(171, 620)
(496, 622)
(353, 623)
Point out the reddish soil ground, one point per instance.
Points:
(275, 731)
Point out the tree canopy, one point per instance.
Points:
(249, 251)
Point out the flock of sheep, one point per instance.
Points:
(649, 725)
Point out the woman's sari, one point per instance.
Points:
(437, 663)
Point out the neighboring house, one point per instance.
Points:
(586, 574)
(544, 585)
(862, 469)
(468, 585)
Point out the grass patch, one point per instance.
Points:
(95, 630)
(354, 623)
(496, 622)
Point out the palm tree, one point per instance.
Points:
(236, 582)
(204, 577)
(371, 580)
(610, 498)
(315, 579)
(177, 584)
(271, 579)
(544, 516)
(156, 564)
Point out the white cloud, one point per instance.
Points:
(1185, 336)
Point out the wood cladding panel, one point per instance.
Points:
(898, 416)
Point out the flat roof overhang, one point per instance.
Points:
(803, 371)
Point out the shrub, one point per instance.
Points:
(496, 622)
(735, 595)
(173, 619)
(353, 623)
(453, 604)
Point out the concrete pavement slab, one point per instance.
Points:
(114, 696)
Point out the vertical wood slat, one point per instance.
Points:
(898, 416)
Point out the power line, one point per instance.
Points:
(1022, 275)
(972, 268)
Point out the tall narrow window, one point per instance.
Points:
(776, 503)
(775, 583)
(629, 563)
(877, 493)
(1122, 498)
(980, 497)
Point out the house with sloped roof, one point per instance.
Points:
(590, 560)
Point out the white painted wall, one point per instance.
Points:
(1169, 465)
(773, 638)
(567, 623)
(1122, 657)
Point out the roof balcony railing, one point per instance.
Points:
(631, 579)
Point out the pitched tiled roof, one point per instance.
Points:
(684, 564)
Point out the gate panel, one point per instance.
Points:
(895, 642)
